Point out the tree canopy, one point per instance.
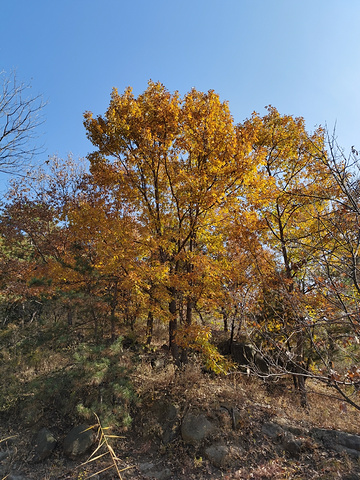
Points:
(186, 219)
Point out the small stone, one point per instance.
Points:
(78, 441)
(195, 428)
(217, 455)
(45, 443)
(272, 430)
(146, 467)
(4, 455)
(292, 446)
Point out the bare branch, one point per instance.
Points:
(20, 117)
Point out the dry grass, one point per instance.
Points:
(191, 386)
(188, 388)
(256, 403)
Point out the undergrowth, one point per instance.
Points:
(51, 369)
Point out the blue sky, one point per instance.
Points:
(301, 56)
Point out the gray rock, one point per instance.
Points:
(78, 441)
(4, 454)
(166, 415)
(45, 443)
(149, 469)
(195, 428)
(272, 430)
(338, 441)
(146, 467)
(217, 455)
(291, 445)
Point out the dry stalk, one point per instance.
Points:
(103, 443)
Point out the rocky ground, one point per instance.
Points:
(191, 425)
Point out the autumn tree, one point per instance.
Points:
(336, 275)
(296, 174)
(191, 219)
(180, 163)
(36, 241)
(108, 238)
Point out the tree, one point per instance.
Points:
(181, 165)
(336, 275)
(191, 219)
(37, 257)
(306, 319)
(20, 116)
(293, 165)
(107, 239)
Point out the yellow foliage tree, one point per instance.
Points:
(182, 165)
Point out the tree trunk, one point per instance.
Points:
(189, 311)
(69, 316)
(97, 333)
(174, 349)
(149, 328)
(113, 306)
(225, 319)
(300, 369)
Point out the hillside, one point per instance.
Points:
(173, 423)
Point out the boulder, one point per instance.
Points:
(149, 470)
(224, 456)
(195, 428)
(338, 441)
(246, 355)
(217, 455)
(45, 443)
(292, 446)
(272, 430)
(78, 441)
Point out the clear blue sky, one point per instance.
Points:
(301, 56)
